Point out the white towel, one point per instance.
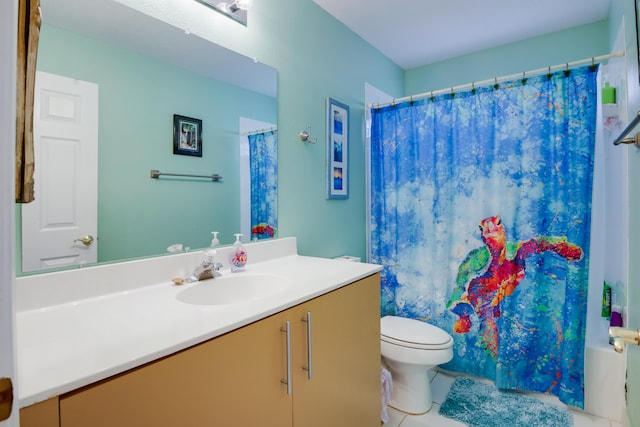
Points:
(387, 388)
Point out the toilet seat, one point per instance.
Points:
(413, 333)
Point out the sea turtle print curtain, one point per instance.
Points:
(263, 167)
(480, 215)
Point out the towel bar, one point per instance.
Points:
(214, 177)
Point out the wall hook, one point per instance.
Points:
(305, 136)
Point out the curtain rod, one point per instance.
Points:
(252, 132)
(495, 80)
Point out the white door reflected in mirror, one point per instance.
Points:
(66, 176)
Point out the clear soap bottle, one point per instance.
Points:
(238, 257)
(215, 242)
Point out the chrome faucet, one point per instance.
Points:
(208, 269)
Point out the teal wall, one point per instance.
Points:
(316, 57)
(137, 215)
(551, 49)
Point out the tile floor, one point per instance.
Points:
(441, 383)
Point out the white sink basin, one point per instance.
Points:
(236, 288)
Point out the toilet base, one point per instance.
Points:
(411, 391)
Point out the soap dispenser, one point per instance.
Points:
(238, 255)
(215, 242)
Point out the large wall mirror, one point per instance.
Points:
(147, 71)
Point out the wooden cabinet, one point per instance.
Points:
(42, 414)
(344, 389)
(232, 380)
(237, 379)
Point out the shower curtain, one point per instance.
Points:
(263, 166)
(480, 215)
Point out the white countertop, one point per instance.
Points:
(71, 344)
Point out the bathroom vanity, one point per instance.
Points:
(308, 355)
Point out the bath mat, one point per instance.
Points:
(482, 405)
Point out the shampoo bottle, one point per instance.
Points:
(616, 316)
(608, 94)
(238, 255)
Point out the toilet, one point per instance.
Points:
(410, 348)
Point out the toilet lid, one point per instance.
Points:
(413, 333)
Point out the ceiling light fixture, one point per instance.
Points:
(235, 9)
(237, 5)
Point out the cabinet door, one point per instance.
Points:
(42, 414)
(344, 388)
(232, 380)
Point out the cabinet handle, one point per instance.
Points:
(308, 368)
(287, 381)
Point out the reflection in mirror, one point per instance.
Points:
(145, 71)
(234, 9)
(259, 178)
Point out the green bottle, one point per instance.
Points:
(608, 94)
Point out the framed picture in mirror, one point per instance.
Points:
(337, 150)
(187, 136)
